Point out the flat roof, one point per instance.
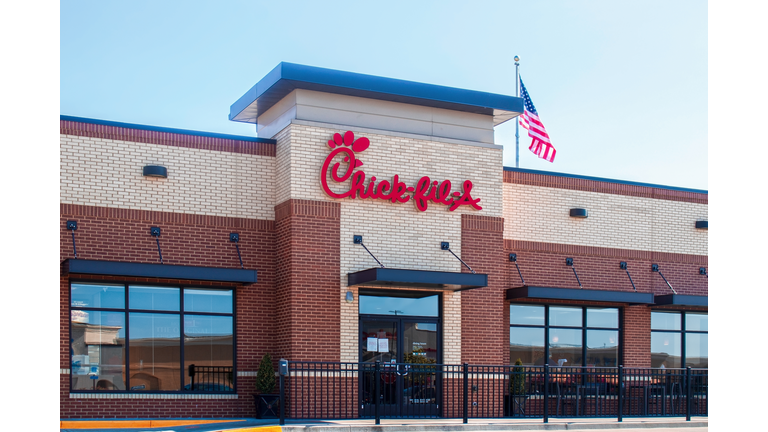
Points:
(601, 179)
(165, 129)
(286, 77)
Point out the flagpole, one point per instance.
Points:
(517, 122)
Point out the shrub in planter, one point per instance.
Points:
(267, 403)
(514, 403)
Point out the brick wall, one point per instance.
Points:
(543, 264)
(186, 239)
(103, 172)
(484, 336)
(541, 214)
(308, 306)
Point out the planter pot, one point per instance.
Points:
(514, 405)
(267, 406)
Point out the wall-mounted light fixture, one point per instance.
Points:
(349, 297)
(155, 232)
(569, 263)
(702, 224)
(578, 213)
(703, 271)
(155, 171)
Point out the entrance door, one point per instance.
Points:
(408, 350)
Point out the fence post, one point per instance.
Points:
(621, 392)
(546, 393)
(377, 379)
(466, 393)
(283, 370)
(688, 393)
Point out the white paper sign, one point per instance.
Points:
(384, 345)
(373, 344)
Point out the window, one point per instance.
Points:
(129, 338)
(679, 339)
(566, 335)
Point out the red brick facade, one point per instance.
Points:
(295, 309)
(123, 235)
(307, 282)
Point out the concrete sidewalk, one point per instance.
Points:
(697, 424)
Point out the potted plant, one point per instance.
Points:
(267, 403)
(517, 389)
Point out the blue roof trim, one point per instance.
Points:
(165, 129)
(286, 77)
(607, 180)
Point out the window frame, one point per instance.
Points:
(584, 328)
(683, 331)
(181, 313)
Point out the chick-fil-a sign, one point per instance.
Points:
(425, 190)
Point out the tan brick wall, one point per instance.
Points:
(535, 213)
(108, 173)
(399, 235)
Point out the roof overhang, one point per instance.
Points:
(436, 280)
(547, 293)
(164, 271)
(680, 300)
(286, 77)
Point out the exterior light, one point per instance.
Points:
(579, 212)
(155, 171)
(702, 224)
(349, 297)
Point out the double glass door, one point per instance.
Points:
(408, 349)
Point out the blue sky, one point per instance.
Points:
(621, 87)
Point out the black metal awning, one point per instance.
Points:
(548, 293)
(680, 300)
(165, 271)
(418, 278)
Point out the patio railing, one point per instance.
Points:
(327, 390)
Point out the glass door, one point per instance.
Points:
(420, 354)
(408, 351)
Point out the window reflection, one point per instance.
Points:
(526, 344)
(155, 351)
(209, 345)
(602, 348)
(98, 350)
(666, 350)
(153, 298)
(564, 347)
(207, 300)
(407, 306)
(97, 296)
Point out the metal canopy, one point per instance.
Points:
(418, 278)
(165, 271)
(680, 300)
(547, 293)
(286, 77)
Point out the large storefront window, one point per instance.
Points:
(129, 338)
(565, 335)
(679, 339)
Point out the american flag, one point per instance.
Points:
(540, 145)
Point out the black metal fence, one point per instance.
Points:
(210, 378)
(327, 390)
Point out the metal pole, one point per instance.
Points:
(466, 392)
(282, 399)
(620, 386)
(517, 121)
(546, 393)
(377, 378)
(688, 394)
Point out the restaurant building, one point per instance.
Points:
(372, 219)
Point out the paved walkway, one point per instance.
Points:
(668, 424)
